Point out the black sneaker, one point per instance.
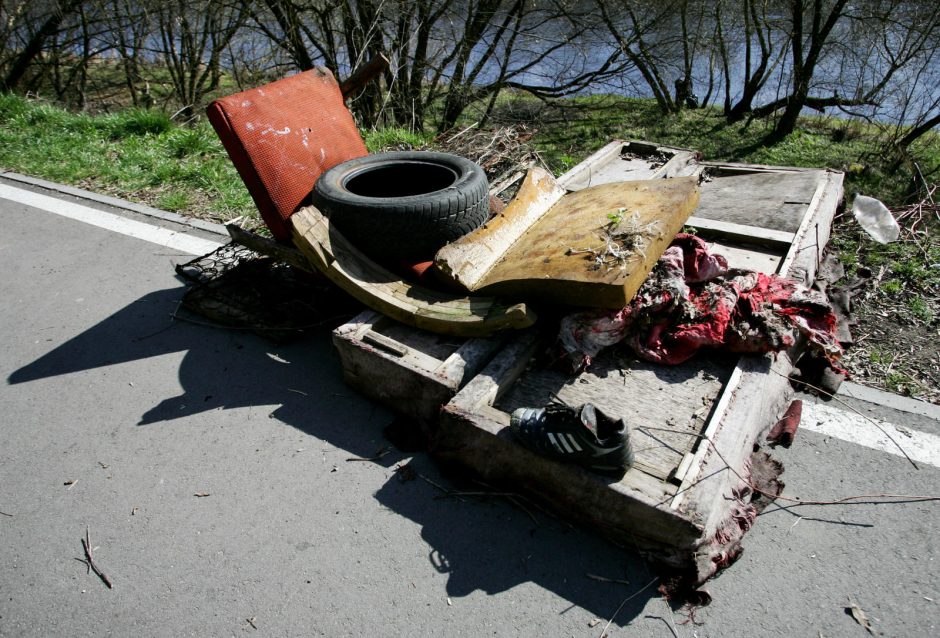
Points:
(582, 435)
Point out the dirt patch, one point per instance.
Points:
(892, 356)
(898, 309)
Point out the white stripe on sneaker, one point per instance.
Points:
(551, 437)
(573, 442)
(564, 443)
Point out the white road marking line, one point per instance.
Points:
(109, 221)
(848, 426)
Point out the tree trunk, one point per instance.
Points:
(918, 131)
(804, 67)
(754, 77)
(34, 47)
(285, 14)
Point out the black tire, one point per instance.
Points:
(404, 205)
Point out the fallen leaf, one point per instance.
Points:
(201, 494)
(859, 615)
(594, 623)
(70, 482)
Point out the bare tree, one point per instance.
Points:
(543, 49)
(662, 42)
(80, 42)
(339, 34)
(760, 59)
(194, 36)
(47, 25)
(130, 26)
(452, 54)
(898, 33)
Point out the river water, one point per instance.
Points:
(856, 57)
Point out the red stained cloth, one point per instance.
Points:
(691, 300)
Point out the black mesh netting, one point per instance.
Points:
(236, 287)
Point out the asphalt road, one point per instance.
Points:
(211, 471)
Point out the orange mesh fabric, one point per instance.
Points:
(282, 136)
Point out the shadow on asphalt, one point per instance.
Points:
(481, 543)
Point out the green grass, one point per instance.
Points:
(920, 309)
(142, 155)
(137, 154)
(566, 134)
(395, 139)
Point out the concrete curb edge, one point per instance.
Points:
(107, 200)
(889, 400)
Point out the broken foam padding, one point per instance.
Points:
(784, 431)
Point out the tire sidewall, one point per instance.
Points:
(405, 227)
(331, 186)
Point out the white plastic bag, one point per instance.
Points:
(876, 219)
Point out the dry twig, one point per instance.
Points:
(385, 451)
(604, 579)
(90, 561)
(625, 601)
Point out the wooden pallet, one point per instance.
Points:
(416, 372)
(695, 425)
(413, 372)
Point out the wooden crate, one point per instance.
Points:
(695, 425)
(685, 502)
(415, 372)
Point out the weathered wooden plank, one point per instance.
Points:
(708, 493)
(552, 255)
(483, 390)
(803, 258)
(438, 347)
(664, 405)
(754, 397)
(269, 247)
(634, 511)
(470, 259)
(729, 231)
(363, 75)
(466, 361)
(627, 160)
(774, 200)
(414, 379)
(384, 291)
(580, 176)
(757, 258)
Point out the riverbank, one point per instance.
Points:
(143, 156)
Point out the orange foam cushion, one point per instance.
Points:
(282, 136)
